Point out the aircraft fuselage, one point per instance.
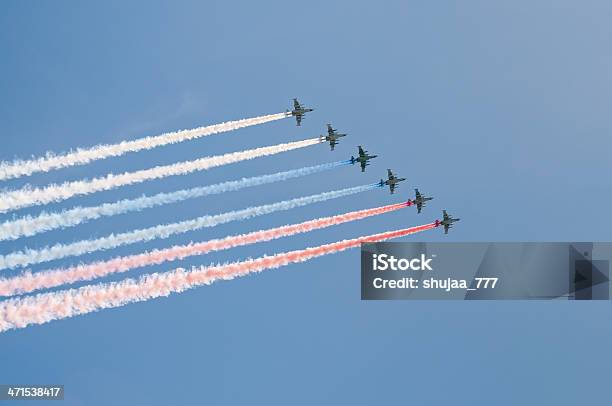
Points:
(395, 181)
(334, 137)
(363, 159)
(300, 112)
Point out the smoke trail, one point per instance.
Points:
(42, 308)
(25, 197)
(29, 226)
(29, 282)
(30, 256)
(49, 162)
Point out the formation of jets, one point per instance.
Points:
(363, 159)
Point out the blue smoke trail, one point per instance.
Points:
(58, 251)
(29, 226)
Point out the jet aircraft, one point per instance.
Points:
(391, 182)
(419, 200)
(362, 158)
(332, 136)
(447, 221)
(298, 111)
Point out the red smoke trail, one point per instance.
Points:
(42, 308)
(29, 282)
(231, 271)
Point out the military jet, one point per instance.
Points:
(363, 158)
(447, 221)
(332, 136)
(298, 111)
(391, 182)
(419, 200)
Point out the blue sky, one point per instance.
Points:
(498, 109)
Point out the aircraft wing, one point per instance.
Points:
(392, 188)
(417, 193)
(332, 144)
(445, 215)
(361, 151)
(363, 165)
(390, 174)
(330, 130)
(446, 226)
(296, 104)
(298, 119)
(419, 206)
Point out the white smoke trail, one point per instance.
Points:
(42, 308)
(29, 226)
(58, 251)
(16, 199)
(80, 156)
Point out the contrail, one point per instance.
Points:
(17, 199)
(29, 226)
(45, 307)
(58, 251)
(50, 161)
(29, 282)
